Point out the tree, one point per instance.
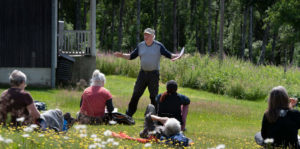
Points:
(263, 47)
(138, 21)
(221, 51)
(209, 27)
(175, 25)
(244, 33)
(250, 31)
(120, 36)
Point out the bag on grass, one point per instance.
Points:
(41, 106)
(120, 118)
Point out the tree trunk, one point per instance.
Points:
(174, 25)
(120, 26)
(77, 16)
(244, 33)
(292, 54)
(263, 47)
(221, 30)
(273, 48)
(138, 21)
(216, 27)
(85, 9)
(112, 29)
(163, 19)
(250, 32)
(155, 15)
(209, 27)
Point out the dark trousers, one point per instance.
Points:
(145, 79)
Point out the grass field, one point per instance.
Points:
(212, 119)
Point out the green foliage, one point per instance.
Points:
(233, 77)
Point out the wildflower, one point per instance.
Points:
(107, 133)
(269, 140)
(93, 136)
(25, 135)
(82, 135)
(33, 126)
(112, 122)
(66, 138)
(77, 127)
(28, 129)
(7, 141)
(147, 145)
(115, 143)
(1, 138)
(41, 135)
(103, 142)
(110, 140)
(21, 119)
(97, 139)
(220, 146)
(92, 146)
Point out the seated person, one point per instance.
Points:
(17, 103)
(172, 104)
(280, 122)
(93, 101)
(169, 132)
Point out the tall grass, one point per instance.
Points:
(233, 77)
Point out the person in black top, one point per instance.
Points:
(280, 122)
(172, 104)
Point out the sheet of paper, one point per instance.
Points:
(180, 54)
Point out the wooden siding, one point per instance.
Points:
(25, 33)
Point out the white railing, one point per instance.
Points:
(75, 42)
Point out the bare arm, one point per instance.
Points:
(33, 111)
(122, 55)
(163, 120)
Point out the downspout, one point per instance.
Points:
(53, 41)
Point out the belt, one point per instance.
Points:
(151, 71)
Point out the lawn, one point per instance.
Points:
(212, 120)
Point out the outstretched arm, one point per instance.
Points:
(163, 120)
(122, 55)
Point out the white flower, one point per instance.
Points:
(93, 136)
(97, 139)
(21, 119)
(28, 129)
(7, 141)
(115, 143)
(25, 135)
(82, 135)
(147, 145)
(112, 122)
(103, 142)
(92, 146)
(1, 138)
(77, 127)
(269, 140)
(110, 140)
(41, 135)
(34, 126)
(220, 146)
(107, 133)
(66, 138)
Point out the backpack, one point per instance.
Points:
(119, 118)
(41, 106)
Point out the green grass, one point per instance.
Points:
(213, 119)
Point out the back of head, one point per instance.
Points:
(98, 78)
(278, 99)
(172, 86)
(171, 127)
(17, 77)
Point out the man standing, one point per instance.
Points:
(149, 51)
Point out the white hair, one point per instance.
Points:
(17, 77)
(98, 78)
(171, 127)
